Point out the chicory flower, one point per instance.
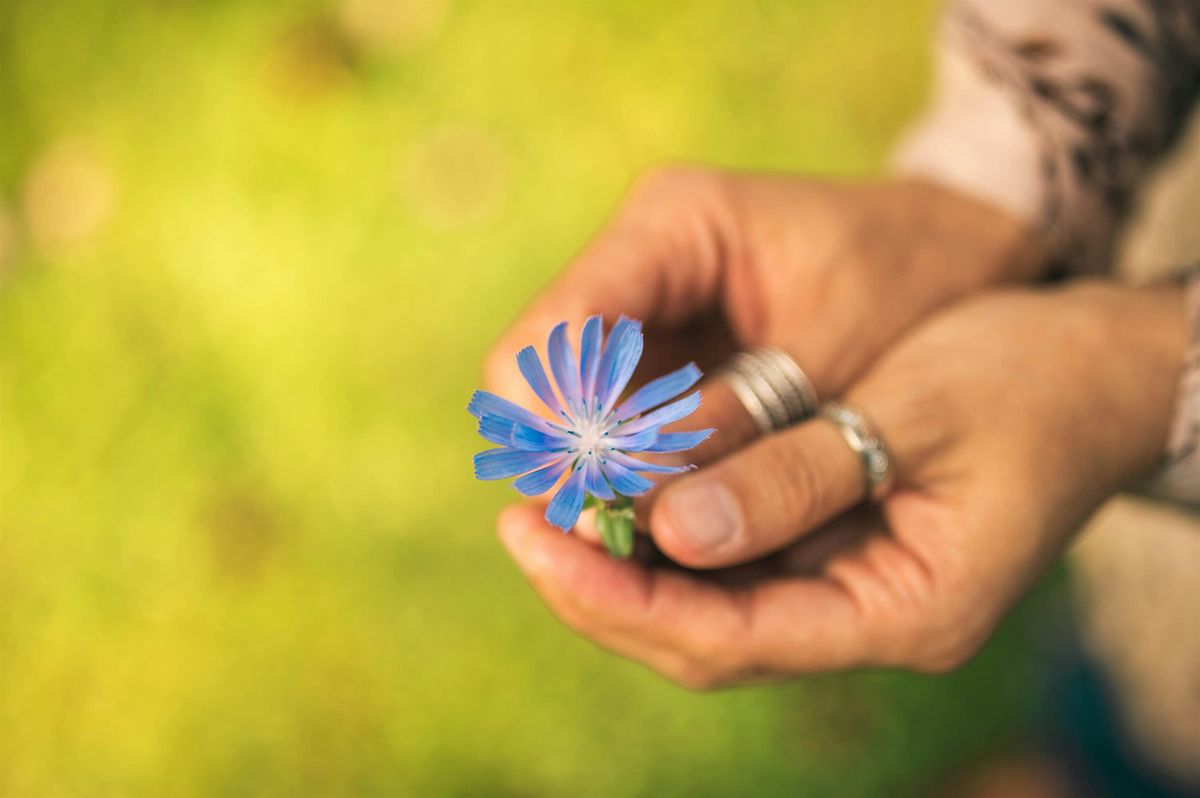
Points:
(593, 435)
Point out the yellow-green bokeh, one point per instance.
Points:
(250, 257)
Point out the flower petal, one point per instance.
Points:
(663, 415)
(636, 442)
(623, 480)
(538, 482)
(518, 436)
(620, 358)
(532, 440)
(531, 369)
(506, 462)
(567, 504)
(655, 392)
(591, 344)
(496, 430)
(679, 441)
(633, 464)
(595, 482)
(562, 363)
(485, 403)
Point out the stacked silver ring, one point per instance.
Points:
(773, 389)
(877, 465)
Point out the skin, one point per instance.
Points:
(1009, 417)
(715, 261)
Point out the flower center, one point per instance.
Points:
(592, 436)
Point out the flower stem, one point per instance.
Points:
(614, 521)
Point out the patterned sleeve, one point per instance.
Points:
(1055, 111)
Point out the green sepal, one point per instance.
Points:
(614, 522)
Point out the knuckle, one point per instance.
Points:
(669, 184)
(909, 583)
(940, 663)
(705, 666)
(662, 178)
(944, 641)
(719, 656)
(695, 678)
(796, 485)
(496, 365)
(570, 617)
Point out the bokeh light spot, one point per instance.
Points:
(68, 195)
(457, 176)
(392, 25)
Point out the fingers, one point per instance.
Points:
(659, 261)
(759, 499)
(724, 412)
(695, 632)
(658, 618)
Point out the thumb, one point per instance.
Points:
(758, 499)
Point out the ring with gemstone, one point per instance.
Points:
(774, 390)
(859, 434)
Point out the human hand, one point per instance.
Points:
(713, 262)
(1009, 418)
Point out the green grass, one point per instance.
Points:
(242, 551)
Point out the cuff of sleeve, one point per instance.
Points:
(1180, 478)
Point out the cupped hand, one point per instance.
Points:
(714, 261)
(1009, 417)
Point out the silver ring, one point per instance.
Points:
(774, 390)
(877, 463)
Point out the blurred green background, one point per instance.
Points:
(250, 257)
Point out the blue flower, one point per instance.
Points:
(593, 436)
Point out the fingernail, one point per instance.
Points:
(705, 514)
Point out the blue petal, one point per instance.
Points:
(505, 463)
(663, 415)
(595, 482)
(679, 441)
(531, 368)
(562, 363)
(496, 430)
(567, 504)
(542, 480)
(532, 440)
(625, 481)
(637, 442)
(655, 392)
(591, 343)
(484, 403)
(633, 464)
(620, 358)
(518, 436)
